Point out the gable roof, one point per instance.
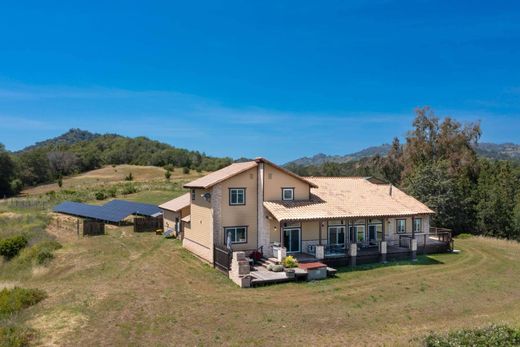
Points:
(177, 204)
(234, 169)
(348, 197)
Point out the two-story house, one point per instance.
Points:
(258, 204)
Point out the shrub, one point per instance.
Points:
(11, 246)
(129, 189)
(15, 336)
(44, 256)
(290, 262)
(169, 167)
(16, 299)
(101, 195)
(130, 177)
(277, 268)
(185, 170)
(167, 175)
(494, 335)
(112, 192)
(464, 236)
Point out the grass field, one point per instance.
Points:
(109, 175)
(128, 289)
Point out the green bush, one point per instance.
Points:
(130, 177)
(129, 189)
(44, 256)
(494, 335)
(185, 170)
(11, 246)
(101, 195)
(15, 336)
(464, 236)
(277, 268)
(112, 192)
(290, 262)
(16, 299)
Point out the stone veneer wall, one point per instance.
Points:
(263, 231)
(216, 201)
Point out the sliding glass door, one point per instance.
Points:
(292, 239)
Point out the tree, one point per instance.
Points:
(392, 164)
(7, 172)
(167, 175)
(34, 167)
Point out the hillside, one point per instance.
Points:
(71, 137)
(505, 151)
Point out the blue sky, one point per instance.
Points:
(280, 79)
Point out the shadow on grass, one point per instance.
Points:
(421, 260)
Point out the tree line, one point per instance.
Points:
(52, 161)
(438, 165)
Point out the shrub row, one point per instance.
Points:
(10, 247)
(16, 299)
(494, 335)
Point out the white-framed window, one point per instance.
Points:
(193, 195)
(238, 234)
(417, 225)
(287, 194)
(400, 226)
(237, 196)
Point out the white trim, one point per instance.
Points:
(283, 194)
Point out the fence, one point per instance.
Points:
(222, 258)
(142, 224)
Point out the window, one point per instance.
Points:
(287, 193)
(193, 195)
(337, 236)
(238, 234)
(400, 226)
(417, 225)
(237, 196)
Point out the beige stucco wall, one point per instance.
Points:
(169, 219)
(276, 179)
(198, 237)
(240, 215)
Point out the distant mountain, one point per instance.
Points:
(321, 158)
(71, 137)
(499, 151)
(508, 151)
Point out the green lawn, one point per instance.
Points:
(139, 289)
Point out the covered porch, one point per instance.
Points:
(361, 240)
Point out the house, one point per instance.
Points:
(260, 206)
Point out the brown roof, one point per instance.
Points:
(348, 197)
(177, 204)
(233, 170)
(186, 219)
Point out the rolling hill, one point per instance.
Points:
(505, 151)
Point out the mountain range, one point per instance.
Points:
(504, 151)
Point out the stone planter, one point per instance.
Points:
(290, 272)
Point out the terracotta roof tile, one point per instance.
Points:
(221, 175)
(177, 204)
(347, 197)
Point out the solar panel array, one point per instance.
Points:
(114, 211)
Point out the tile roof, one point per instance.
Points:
(348, 197)
(177, 204)
(221, 175)
(234, 169)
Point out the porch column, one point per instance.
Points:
(319, 235)
(352, 251)
(383, 244)
(413, 244)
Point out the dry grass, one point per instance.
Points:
(127, 289)
(109, 175)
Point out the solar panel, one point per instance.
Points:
(113, 211)
(89, 211)
(131, 207)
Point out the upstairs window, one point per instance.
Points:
(193, 195)
(400, 226)
(237, 196)
(287, 193)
